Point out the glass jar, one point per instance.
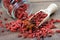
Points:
(12, 5)
(23, 8)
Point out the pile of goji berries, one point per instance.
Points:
(10, 6)
(28, 29)
(9, 3)
(38, 18)
(21, 13)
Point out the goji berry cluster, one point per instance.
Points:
(10, 6)
(38, 18)
(21, 13)
(8, 3)
(29, 30)
(43, 31)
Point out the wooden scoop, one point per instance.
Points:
(51, 9)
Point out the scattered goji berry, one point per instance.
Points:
(57, 20)
(5, 19)
(57, 31)
(20, 35)
(0, 21)
(49, 35)
(1, 13)
(28, 29)
(2, 31)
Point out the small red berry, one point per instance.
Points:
(57, 31)
(5, 19)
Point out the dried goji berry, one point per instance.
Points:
(57, 20)
(5, 19)
(57, 31)
(2, 31)
(20, 35)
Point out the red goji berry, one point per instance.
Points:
(5, 19)
(20, 35)
(1, 13)
(57, 31)
(57, 20)
(0, 21)
(49, 35)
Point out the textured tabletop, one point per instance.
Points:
(7, 35)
